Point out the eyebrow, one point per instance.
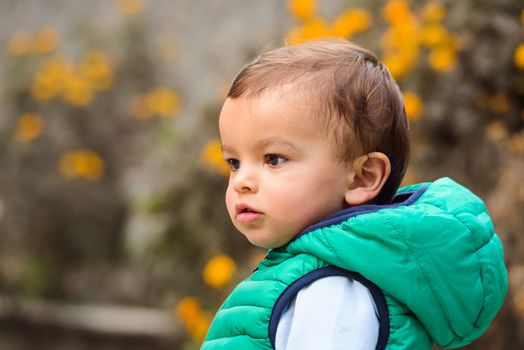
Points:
(269, 141)
(274, 141)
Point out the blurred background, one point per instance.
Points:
(113, 229)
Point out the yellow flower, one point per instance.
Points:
(45, 41)
(211, 157)
(496, 131)
(29, 126)
(195, 321)
(350, 22)
(413, 104)
(397, 12)
(518, 58)
(443, 58)
(188, 309)
(19, 44)
(130, 7)
(302, 10)
(316, 28)
(433, 11)
(163, 102)
(435, 35)
(218, 271)
(138, 108)
(400, 63)
(516, 144)
(78, 91)
(96, 69)
(499, 103)
(81, 163)
(50, 80)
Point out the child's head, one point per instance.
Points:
(309, 130)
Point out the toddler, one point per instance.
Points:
(316, 138)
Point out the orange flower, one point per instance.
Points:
(96, 69)
(433, 11)
(81, 163)
(302, 10)
(518, 58)
(29, 126)
(218, 271)
(496, 131)
(316, 28)
(45, 41)
(211, 157)
(195, 320)
(19, 44)
(397, 12)
(130, 7)
(350, 22)
(138, 108)
(163, 102)
(499, 103)
(50, 80)
(78, 91)
(443, 58)
(188, 309)
(434, 35)
(413, 105)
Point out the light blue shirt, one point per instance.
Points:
(332, 313)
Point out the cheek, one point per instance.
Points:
(229, 201)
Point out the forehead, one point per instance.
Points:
(286, 105)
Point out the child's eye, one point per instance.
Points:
(274, 159)
(233, 163)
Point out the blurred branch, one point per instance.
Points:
(102, 320)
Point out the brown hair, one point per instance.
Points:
(350, 88)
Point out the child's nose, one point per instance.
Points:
(245, 180)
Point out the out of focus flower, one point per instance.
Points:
(29, 126)
(351, 22)
(78, 91)
(138, 108)
(413, 104)
(81, 163)
(435, 35)
(95, 68)
(19, 44)
(518, 58)
(45, 41)
(211, 157)
(188, 308)
(195, 320)
(496, 131)
(49, 81)
(401, 62)
(163, 102)
(433, 11)
(131, 7)
(499, 103)
(443, 58)
(314, 29)
(516, 143)
(397, 12)
(218, 271)
(302, 10)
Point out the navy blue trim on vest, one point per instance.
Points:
(292, 290)
(401, 199)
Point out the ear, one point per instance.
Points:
(369, 175)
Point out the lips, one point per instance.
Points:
(246, 214)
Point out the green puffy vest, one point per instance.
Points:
(431, 260)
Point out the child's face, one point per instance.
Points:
(284, 176)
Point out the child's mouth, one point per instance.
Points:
(246, 214)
